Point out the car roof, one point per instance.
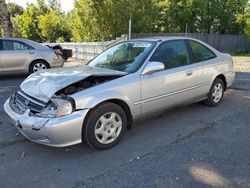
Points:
(34, 44)
(164, 38)
(12, 38)
(161, 39)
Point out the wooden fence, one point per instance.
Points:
(224, 43)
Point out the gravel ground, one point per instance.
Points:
(241, 64)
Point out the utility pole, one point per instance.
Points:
(186, 30)
(130, 26)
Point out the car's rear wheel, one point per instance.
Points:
(216, 93)
(38, 65)
(104, 126)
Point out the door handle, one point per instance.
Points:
(31, 52)
(189, 73)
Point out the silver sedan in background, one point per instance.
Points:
(26, 56)
(95, 103)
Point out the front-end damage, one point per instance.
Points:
(43, 85)
(86, 83)
(60, 104)
(58, 132)
(45, 113)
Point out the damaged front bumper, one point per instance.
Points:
(58, 132)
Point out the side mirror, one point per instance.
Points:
(152, 67)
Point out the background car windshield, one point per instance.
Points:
(127, 56)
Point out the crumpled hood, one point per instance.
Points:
(42, 85)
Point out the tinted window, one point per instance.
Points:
(200, 52)
(14, 45)
(172, 54)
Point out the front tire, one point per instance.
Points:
(216, 93)
(105, 126)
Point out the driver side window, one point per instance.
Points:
(172, 53)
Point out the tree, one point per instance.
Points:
(177, 13)
(5, 19)
(43, 8)
(55, 5)
(106, 19)
(52, 26)
(14, 9)
(84, 23)
(27, 23)
(98, 20)
(247, 22)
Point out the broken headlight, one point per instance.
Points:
(57, 108)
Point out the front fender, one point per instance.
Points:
(91, 101)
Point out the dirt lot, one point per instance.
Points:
(242, 63)
(192, 146)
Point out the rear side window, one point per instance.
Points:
(14, 45)
(200, 52)
(172, 53)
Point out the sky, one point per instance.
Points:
(67, 5)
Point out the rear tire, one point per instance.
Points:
(105, 126)
(215, 94)
(38, 65)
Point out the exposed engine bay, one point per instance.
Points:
(84, 84)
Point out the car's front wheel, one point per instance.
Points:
(104, 126)
(216, 93)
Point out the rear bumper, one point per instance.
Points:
(58, 132)
(56, 62)
(230, 77)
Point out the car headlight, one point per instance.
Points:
(58, 108)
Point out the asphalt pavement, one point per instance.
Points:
(191, 146)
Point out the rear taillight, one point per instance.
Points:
(58, 53)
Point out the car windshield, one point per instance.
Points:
(125, 56)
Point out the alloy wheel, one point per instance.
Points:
(39, 66)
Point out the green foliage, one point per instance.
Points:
(52, 26)
(97, 20)
(247, 24)
(42, 22)
(14, 9)
(55, 5)
(1, 31)
(27, 23)
(106, 19)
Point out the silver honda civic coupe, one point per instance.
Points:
(97, 102)
(26, 56)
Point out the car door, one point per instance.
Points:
(15, 55)
(176, 84)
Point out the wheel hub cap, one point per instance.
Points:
(217, 92)
(108, 128)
